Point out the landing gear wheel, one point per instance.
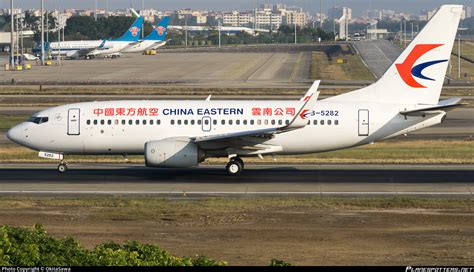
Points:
(62, 168)
(234, 168)
(240, 161)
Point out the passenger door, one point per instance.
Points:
(364, 123)
(73, 122)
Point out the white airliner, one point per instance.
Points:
(154, 40)
(77, 49)
(185, 133)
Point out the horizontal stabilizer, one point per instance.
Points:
(445, 105)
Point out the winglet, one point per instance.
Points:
(309, 103)
(134, 13)
(102, 44)
(311, 90)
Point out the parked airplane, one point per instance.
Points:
(130, 38)
(77, 49)
(185, 133)
(154, 40)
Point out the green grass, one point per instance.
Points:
(144, 206)
(387, 152)
(8, 121)
(328, 69)
(467, 67)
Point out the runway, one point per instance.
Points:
(317, 180)
(378, 55)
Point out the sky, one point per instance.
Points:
(358, 6)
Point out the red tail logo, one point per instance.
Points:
(406, 69)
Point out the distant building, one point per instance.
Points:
(296, 18)
(268, 16)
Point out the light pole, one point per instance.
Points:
(459, 57)
(321, 14)
(186, 30)
(295, 32)
(95, 11)
(42, 32)
(17, 42)
(12, 38)
(219, 34)
(58, 27)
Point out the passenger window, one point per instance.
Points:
(193, 122)
(109, 122)
(329, 122)
(237, 122)
(252, 122)
(266, 122)
(259, 122)
(172, 122)
(223, 122)
(179, 122)
(336, 122)
(123, 122)
(214, 122)
(144, 122)
(185, 122)
(199, 122)
(309, 122)
(280, 122)
(130, 122)
(158, 121)
(273, 122)
(322, 122)
(151, 122)
(245, 122)
(230, 122)
(137, 122)
(315, 122)
(206, 122)
(95, 122)
(88, 122)
(287, 122)
(116, 122)
(102, 122)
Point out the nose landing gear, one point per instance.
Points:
(235, 166)
(62, 167)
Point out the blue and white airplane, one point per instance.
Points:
(154, 40)
(77, 49)
(184, 133)
(129, 38)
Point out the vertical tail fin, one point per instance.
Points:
(133, 33)
(417, 76)
(159, 32)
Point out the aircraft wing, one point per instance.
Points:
(299, 121)
(158, 44)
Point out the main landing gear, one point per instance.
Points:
(235, 166)
(62, 167)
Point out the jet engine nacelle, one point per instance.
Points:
(173, 153)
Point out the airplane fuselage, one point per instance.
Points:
(123, 127)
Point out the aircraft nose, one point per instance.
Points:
(18, 133)
(13, 134)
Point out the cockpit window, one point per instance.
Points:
(38, 120)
